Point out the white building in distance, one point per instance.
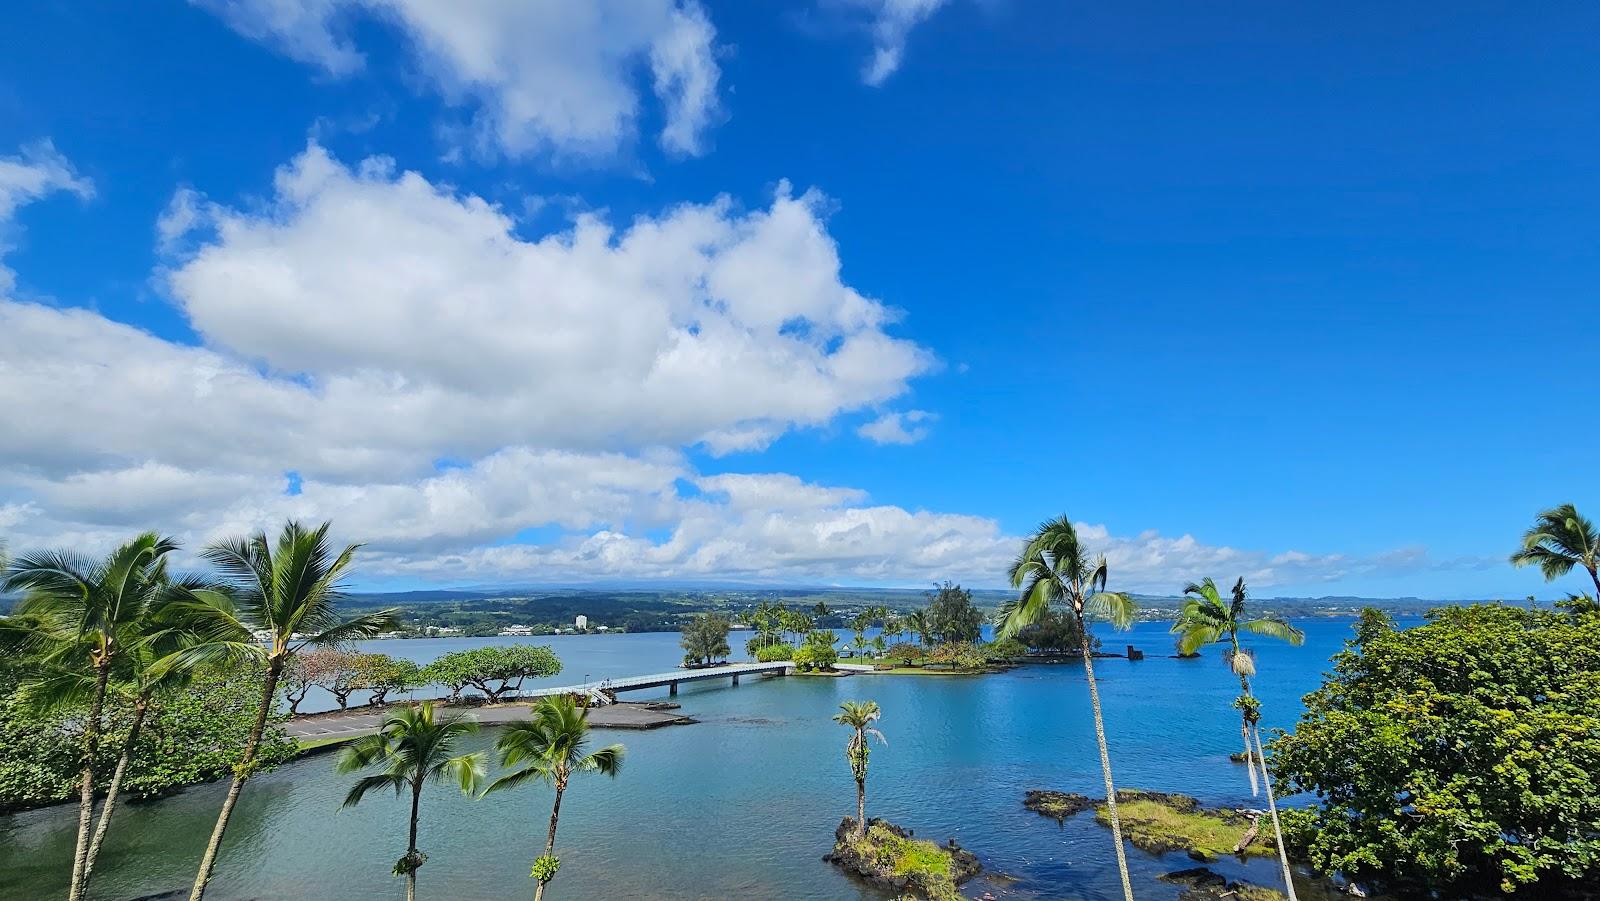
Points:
(582, 622)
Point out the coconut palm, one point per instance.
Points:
(1559, 540)
(1207, 619)
(917, 624)
(859, 716)
(286, 592)
(412, 748)
(1054, 569)
(82, 618)
(552, 745)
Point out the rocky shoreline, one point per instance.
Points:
(880, 860)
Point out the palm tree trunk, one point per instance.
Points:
(140, 706)
(241, 773)
(91, 747)
(861, 807)
(550, 840)
(1105, 764)
(1272, 806)
(411, 845)
(1594, 576)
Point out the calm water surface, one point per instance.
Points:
(741, 805)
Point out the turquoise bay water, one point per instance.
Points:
(743, 804)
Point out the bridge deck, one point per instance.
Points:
(661, 680)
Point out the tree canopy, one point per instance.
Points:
(705, 639)
(494, 671)
(952, 616)
(1459, 756)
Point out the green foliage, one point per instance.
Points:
(952, 617)
(962, 656)
(1462, 755)
(382, 674)
(1003, 649)
(492, 670)
(1056, 632)
(191, 736)
(904, 653)
(705, 639)
(925, 866)
(817, 653)
(545, 867)
(773, 653)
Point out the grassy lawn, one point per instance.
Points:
(925, 671)
(306, 746)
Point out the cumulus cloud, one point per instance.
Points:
(908, 427)
(559, 77)
(39, 170)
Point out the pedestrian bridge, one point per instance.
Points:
(603, 690)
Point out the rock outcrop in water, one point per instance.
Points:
(890, 859)
(1201, 884)
(1163, 822)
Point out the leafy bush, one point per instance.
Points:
(189, 737)
(772, 653)
(817, 652)
(492, 670)
(959, 655)
(904, 653)
(1458, 757)
(1004, 649)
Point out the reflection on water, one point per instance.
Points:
(741, 805)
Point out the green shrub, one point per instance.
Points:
(1004, 649)
(773, 653)
(1461, 756)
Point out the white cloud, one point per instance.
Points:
(897, 428)
(555, 77)
(892, 21)
(39, 170)
(400, 302)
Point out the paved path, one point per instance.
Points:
(364, 721)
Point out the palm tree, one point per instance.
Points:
(551, 746)
(859, 716)
(1559, 540)
(1055, 569)
(1206, 619)
(413, 748)
(287, 592)
(917, 624)
(81, 615)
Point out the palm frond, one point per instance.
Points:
(1273, 627)
(395, 781)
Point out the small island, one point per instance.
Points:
(1163, 822)
(889, 858)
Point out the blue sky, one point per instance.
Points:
(1279, 290)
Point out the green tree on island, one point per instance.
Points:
(1206, 619)
(952, 618)
(705, 639)
(859, 716)
(1458, 758)
(1054, 569)
(81, 621)
(288, 590)
(413, 747)
(495, 671)
(552, 746)
(1558, 541)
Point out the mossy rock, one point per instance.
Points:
(1201, 884)
(890, 859)
(1057, 805)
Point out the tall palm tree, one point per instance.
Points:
(413, 748)
(1054, 569)
(286, 591)
(859, 716)
(551, 746)
(917, 624)
(166, 634)
(81, 614)
(1206, 619)
(1559, 540)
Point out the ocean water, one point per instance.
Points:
(744, 803)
